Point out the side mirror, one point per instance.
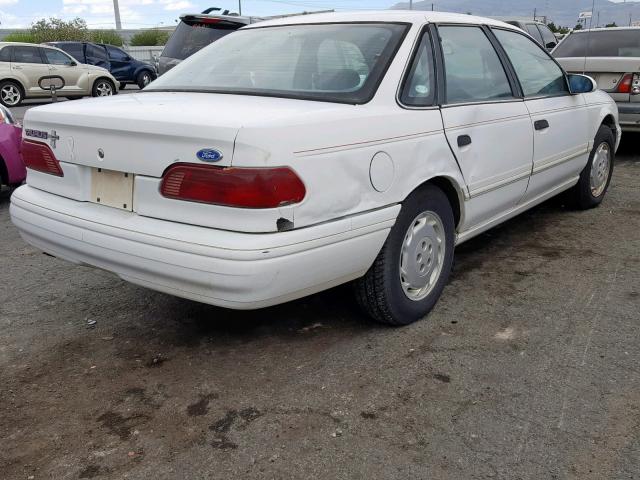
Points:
(72, 64)
(581, 84)
(551, 45)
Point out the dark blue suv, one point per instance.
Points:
(121, 65)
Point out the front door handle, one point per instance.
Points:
(464, 140)
(541, 124)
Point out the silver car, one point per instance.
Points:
(23, 66)
(611, 56)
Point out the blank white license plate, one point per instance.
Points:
(113, 189)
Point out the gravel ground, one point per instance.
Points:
(526, 369)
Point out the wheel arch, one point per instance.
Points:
(610, 121)
(17, 82)
(104, 77)
(452, 190)
(4, 172)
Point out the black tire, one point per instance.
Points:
(582, 195)
(144, 78)
(73, 98)
(18, 93)
(380, 292)
(99, 84)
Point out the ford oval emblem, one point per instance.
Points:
(209, 155)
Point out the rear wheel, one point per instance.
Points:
(11, 94)
(596, 175)
(103, 88)
(410, 272)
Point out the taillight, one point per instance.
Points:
(625, 84)
(233, 187)
(38, 156)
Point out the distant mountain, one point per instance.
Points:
(561, 12)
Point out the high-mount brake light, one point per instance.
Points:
(233, 186)
(39, 156)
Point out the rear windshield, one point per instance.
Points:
(602, 43)
(331, 62)
(191, 36)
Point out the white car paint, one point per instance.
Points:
(236, 257)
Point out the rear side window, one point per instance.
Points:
(604, 43)
(539, 75)
(191, 36)
(73, 49)
(23, 54)
(418, 89)
(532, 29)
(473, 71)
(5, 54)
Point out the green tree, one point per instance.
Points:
(149, 38)
(578, 27)
(25, 37)
(55, 29)
(109, 37)
(610, 25)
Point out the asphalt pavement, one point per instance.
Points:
(526, 369)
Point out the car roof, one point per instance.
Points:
(604, 29)
(25, 44)
(386, 16)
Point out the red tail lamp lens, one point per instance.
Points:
(39, 156)
(233, 187)
(625, 84)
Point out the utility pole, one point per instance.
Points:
(239, 7)
(410, 4)
(116, 10)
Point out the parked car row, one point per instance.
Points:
(343, 147)
(24, 65)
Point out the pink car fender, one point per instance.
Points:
(12, 168)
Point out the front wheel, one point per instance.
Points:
(410, 272)
(596, 175)
(103, 88)
(144, 78)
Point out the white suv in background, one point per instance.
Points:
(23, 65)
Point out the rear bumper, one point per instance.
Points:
(229, 269)
(629, 116)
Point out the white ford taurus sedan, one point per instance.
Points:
(299, 154)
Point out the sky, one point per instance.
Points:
(153, 13)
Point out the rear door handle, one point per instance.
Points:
(464, 140)
(17, 67)
(541, 124)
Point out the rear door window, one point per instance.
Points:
(538, 73)
(532, 29)
(473, 71)
(418, 89)
(24, 54)
(73, 49)
(5, 54)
